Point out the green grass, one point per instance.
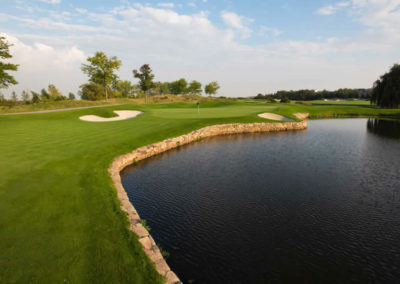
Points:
(57, 105)
(60, 219)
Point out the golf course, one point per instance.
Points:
(60, 218)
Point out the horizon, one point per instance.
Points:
(258, 47)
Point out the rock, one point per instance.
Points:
(162, 267)
(171, 278)
(146, 242)
(140, 230)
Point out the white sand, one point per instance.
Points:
(122, 114)
(274, 116)
(301, 116)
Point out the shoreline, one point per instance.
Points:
(149, 246)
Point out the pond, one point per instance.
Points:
(321, 205)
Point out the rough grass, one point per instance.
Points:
(60, 219)
(53, 105)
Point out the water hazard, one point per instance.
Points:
(321, 205)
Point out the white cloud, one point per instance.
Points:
(268, 31)
(237, 22)
(81, 10)
(327, 10)
(52, 1)
(41, 64)
(332, 9)
(166, 5)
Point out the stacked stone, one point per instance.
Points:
(149, 245)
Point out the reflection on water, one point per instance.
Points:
(316, 206)
(385, 128)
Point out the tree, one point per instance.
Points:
(161, 87)
(178, 87)
(25, 96)
(14, 97)
(194, 87)
(71, 96)
(101, 70)
(164, 88)
(211, 88)
(125, 88)
(285, 100)
(6, 79)
(92, 92)
(145, 77)
(55, 94)
(386, 90)
(44, 95)
(35, 97)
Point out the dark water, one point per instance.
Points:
(316, 206)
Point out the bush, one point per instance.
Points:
(304, 103)
(285, 100)
(93, 92)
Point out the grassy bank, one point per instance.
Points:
(60, 220)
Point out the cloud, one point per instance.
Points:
(166, 5)
(237, 22)
(332, 9)
(41, 64)
(51, 1)
(268, 31)
(81, 10)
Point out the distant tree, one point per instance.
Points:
(6, 79)
(211, 88)
(44, 95)
(14, 97)
(35, 97)
(71, 96)
(101, 70)
(194, 87)
(161, 87)
(178, 87)
(386, 90)
(164, 88)
(55, 94)
(146, 77)
(25, 96)
(125, 88)
(285, 100)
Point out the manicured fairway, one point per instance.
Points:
(60, 220)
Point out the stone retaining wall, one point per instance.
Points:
(150, 247)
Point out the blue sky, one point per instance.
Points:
(248, 46)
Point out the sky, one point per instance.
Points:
(249, 47)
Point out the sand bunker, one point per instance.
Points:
(122, 114)
(302, 116)
(274, 116)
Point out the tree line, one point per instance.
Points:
(104, 83)
(31, 97)
(309, 95)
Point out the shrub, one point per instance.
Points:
(93, 92)
(285, 100)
